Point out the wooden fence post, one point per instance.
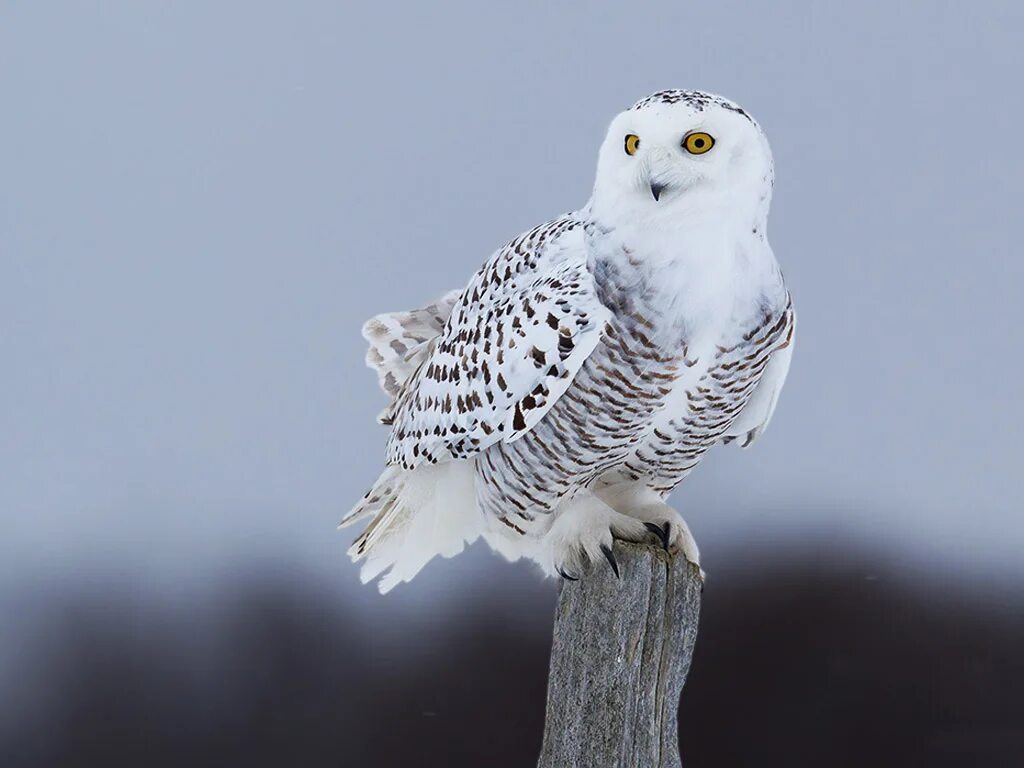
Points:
(619, 658)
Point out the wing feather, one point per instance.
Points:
(399, 342)
(515, 339)
(753, 420)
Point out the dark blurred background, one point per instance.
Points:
(201, 202)
(821, 657)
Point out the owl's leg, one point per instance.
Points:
(648, 507)
(582, 533)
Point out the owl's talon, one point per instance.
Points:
(610, 557)
(566, 576)
(663, 534)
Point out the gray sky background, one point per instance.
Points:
(201, 202)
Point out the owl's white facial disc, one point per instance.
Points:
(682, 153)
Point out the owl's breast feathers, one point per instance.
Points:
(722, 399)
(695, 333)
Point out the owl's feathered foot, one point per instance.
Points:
(582, 534)
(658, 518)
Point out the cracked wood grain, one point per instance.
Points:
(620, 654)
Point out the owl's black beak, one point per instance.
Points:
(657, 188)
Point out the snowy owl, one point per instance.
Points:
(553, 403)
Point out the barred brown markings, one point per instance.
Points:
(604, 426)
(511, 499)
(754, 332)
(644, 339)
(778, 327)
(534, 499)
(660, 452)
(545, 465)
(632, 392)
(737, 390)
(561, 437)
(513, 526)
(667, 376)
(614, 373)
(620, 419)
(641, 320)
(789, 336)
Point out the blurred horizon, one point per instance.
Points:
(817, 657)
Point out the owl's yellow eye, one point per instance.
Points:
(698, 143)
(632, 143)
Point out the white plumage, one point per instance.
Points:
(590, 363)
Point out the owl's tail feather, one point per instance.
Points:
(399, 342)
(416, 514)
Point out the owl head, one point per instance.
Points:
(682, 153)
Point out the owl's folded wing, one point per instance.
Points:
(501, 362)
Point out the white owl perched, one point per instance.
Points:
(555, 401)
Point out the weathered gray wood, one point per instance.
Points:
(619, 658)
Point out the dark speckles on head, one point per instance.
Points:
(696, 100)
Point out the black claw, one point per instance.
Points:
(610, 557)
(661, 533)
(566, 576)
